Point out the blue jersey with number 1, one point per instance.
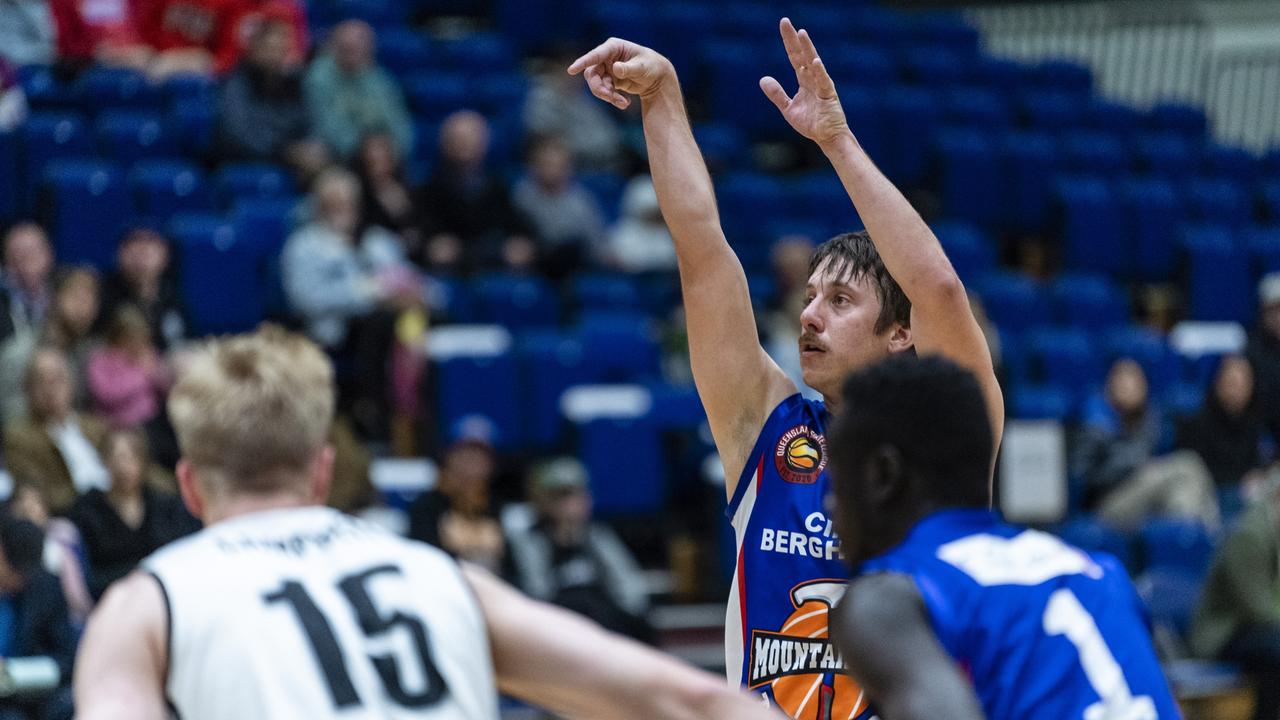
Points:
(1045, 630)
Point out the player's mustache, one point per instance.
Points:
(808, 337)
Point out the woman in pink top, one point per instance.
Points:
(127, 377)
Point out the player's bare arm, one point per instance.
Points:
(738, 383)
(891, 650)
(941, 320)
(567, 664)
(121, 664)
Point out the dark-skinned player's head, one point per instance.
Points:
(855, 313)
(913, 436)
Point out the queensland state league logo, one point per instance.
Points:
(801, 455)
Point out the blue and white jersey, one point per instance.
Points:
(789, 572)
(1044, 629)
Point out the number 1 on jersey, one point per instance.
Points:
(1064, 615)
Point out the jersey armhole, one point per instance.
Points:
(168, 642)
(753, 459)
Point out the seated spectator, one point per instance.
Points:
(640, 241)
(1263, 351)
(348, 289)
(459, 515)
(190, 36)
(352, 489)
(290, 12)
(349, 96)
(1227, 433)
(468, 216)
(1117, 453)
(567, 559)
(565, 216)
(63, 551)
(27, 32)
(559, 106)
(387, 200)
(142, 279)
(129, 520)
(28, 267)
(1238, 618)
(37, 635)
(261, 112)
(106, 32)
(55, 449)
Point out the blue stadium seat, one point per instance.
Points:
(1264, 248)
(930, 65)
(1051, 109)
(550, 363)
(9, 179)
(732, 71)
(1168, 154)
(1182, 399)
(128, 136)
(1216, 201)
(1093, 227)
(48, 136)
(1091, 534)
(477, 53)
(676, 407)
(1186, 120)
(515, 302)
(1153, 213)
(45, 91)
(1042, 402)
(864, 110)
(1149, 349)
(498, 93)
(1029, 161)
(234, 182)
(607, 187)
(865, 64)
(266, 222)
(536, 25)
(912, 115)
(1089, 302)
(434, 94)
(977, 106)
(402, 51)
(1271, 200)
(1015, 302)
(101, 88)
(746, 200)
(163, 188)
(1219, 277)
(190, 87)
(481, 385)
(602, 291)
(1113, 117)
(1064, 358)
(620, 346)
(723, 145)
(971, 252)
(619, 18)
(1064, 76)
(1000, 73)
(947, 30)
(1170, 595)
(970, 182)
(192, 125)
(635, 487)
(1176, 543)
(875, 23)
(821, 198)
(220, 275)
(1093, 152)
(1231, 162)
(86, 208)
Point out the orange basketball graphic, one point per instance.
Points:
(802, 454)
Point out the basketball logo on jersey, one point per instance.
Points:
(801, 665)
(801, 455)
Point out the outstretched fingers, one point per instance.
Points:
(773, 90)
(791, 42)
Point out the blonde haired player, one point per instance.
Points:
(282, 608)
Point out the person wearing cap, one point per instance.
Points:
(565, 558)
(459, 515)
(1263, 350)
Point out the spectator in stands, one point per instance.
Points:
(459, 515)
(13, 99)
(565, 216)
(568, 559)
(38, 633)
(55, 449)
(640, 242)
(352, 489)
(559, 106)
(789, 261)
(28, 265)
(468, 216)
(142, 279)
(349, 96)
(387, 200)
(1117, 453)
(291, 12)
(261, 112)
(1227, 432)
(1264, 350)
(129, 520)
(63, 551)
(27, 32)
(348, 287)
(1238, 618)
(106, 32)
(190, 36)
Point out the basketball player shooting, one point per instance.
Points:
(283, 608)
(871, 295)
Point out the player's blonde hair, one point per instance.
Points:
(251, 411)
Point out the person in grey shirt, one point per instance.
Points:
(564, 214)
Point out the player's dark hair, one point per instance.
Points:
(853, 255)
(933, 412)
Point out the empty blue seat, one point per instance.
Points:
(1095, 153)
(103, 88)
(220, 275)
(1271, 200)
(1042, 402)
(191, 122)
(875, 23)
(45, 91)
(1217, 201)
(265, 221)
(129, 136)
(1091, 534)
(477, 52)
(1176, 543)
(1168, 154)
(1029, 161)
(1064, 358)
(435, 94)
(1014, 301)
(635, 487)
(1051, 109)
(971, 252)
(912, 115)
(977, 106)
(748, 199)
(620, 346)
(1170, 595)
(723, 146)
(930, 65)
(1219, 279)
(1186, 120)
(1093, 228)
(1231, 162)
(732, 73)
(821, 198)
(970, 182)
(1000, 73)
(1146, 347)
(1263, 244)
(1090, 302)
(606, 292)
(1153, 213)
(1112, 117)
(237, 181)
(8, 176)
(486, 385)
(865, 64)
(535, 25)
(515, 302)
(550, 363)
(86, 209)
(863, 110)
(163, 188)
(1064, 76)
(496, 93)
(947, 30)
(403, 50)
(190, 87)
(607, 188)
(48, 136)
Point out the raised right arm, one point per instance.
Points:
(737, 381)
